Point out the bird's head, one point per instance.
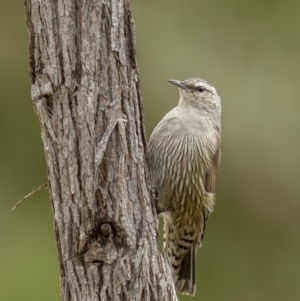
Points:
(198, 93)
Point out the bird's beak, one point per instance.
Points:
(177, 83)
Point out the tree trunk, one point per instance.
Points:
(85, 91)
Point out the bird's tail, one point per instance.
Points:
(181, 255)
(185, 280)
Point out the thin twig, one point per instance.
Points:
(30, 194)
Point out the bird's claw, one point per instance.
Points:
(160, 210)
(154, 195)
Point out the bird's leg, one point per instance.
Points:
(154, 196)
(154, 193)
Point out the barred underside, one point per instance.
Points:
(180, 163)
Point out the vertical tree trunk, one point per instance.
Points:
(85, 91)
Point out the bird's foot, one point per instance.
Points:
(160, 210)
(154, 195)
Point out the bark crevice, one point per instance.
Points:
(85, 92)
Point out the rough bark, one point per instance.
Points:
(85, 91)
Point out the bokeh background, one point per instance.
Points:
(249, 50)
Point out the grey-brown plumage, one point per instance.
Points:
(185, 152)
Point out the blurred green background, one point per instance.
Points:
(249, 50)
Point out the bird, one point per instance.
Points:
(184, 156)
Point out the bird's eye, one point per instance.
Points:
(201, 89)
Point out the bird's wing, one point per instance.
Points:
(210, 178)
(210, 181)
